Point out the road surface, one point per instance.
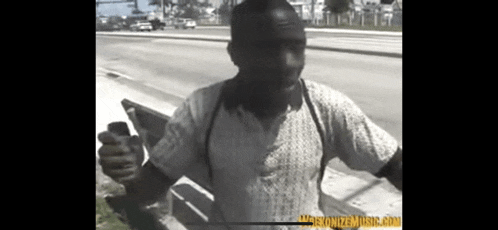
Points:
(181, 66)
(178, 67)
(310, 33)
(381, 43)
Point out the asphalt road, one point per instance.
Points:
(181, 66)
(381, 43)
(178, 67)
(225, 31)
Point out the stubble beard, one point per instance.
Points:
(267, 98)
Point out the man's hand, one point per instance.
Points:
(121, 156)
(393, 170)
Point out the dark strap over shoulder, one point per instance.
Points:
(310, 105)
(220, 102)
(206, 144)
(318, 126)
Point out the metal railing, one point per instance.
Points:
(364, 18)
(394, 18)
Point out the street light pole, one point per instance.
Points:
(313, 12)
(162, 10)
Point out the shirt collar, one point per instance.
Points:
(233, 96)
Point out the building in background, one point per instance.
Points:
(304, 9)
(310, 11)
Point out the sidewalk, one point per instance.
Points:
(325, 30)
(109, 94)
(347, 192)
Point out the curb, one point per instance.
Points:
(353, 51)
(167, 36)
(352, 31)
(227, 39)
(173, 99)
(326, 30)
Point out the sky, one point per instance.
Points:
(123, 9)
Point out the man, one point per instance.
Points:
(262, 137)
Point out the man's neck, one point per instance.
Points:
(263, 86)
(264, 100)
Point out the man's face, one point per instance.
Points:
(273, 52)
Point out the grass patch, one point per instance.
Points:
(105, 219)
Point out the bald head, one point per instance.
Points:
(268, 44)
(265, 20)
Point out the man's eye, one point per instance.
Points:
(275, 46)
(296, 46)
(266, 45)
(299, 45)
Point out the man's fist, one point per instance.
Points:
(121, 155)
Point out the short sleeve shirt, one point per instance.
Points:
(268, 174)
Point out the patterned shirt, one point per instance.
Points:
(269, 174)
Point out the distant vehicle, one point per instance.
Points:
(184, 23)
(357, 8)
(370, 6)
(386, 9)
(141, 25)
(156, 24)
(107, 24)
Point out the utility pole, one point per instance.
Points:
(162, 11)
(313, 11)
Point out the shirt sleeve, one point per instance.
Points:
(177, 150)
(360, 143)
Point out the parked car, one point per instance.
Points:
(184, 23)
(141, 25)
(385, 9)
(156, 24)
(107, 24)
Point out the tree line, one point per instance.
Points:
(186, 9)
(190, 8)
